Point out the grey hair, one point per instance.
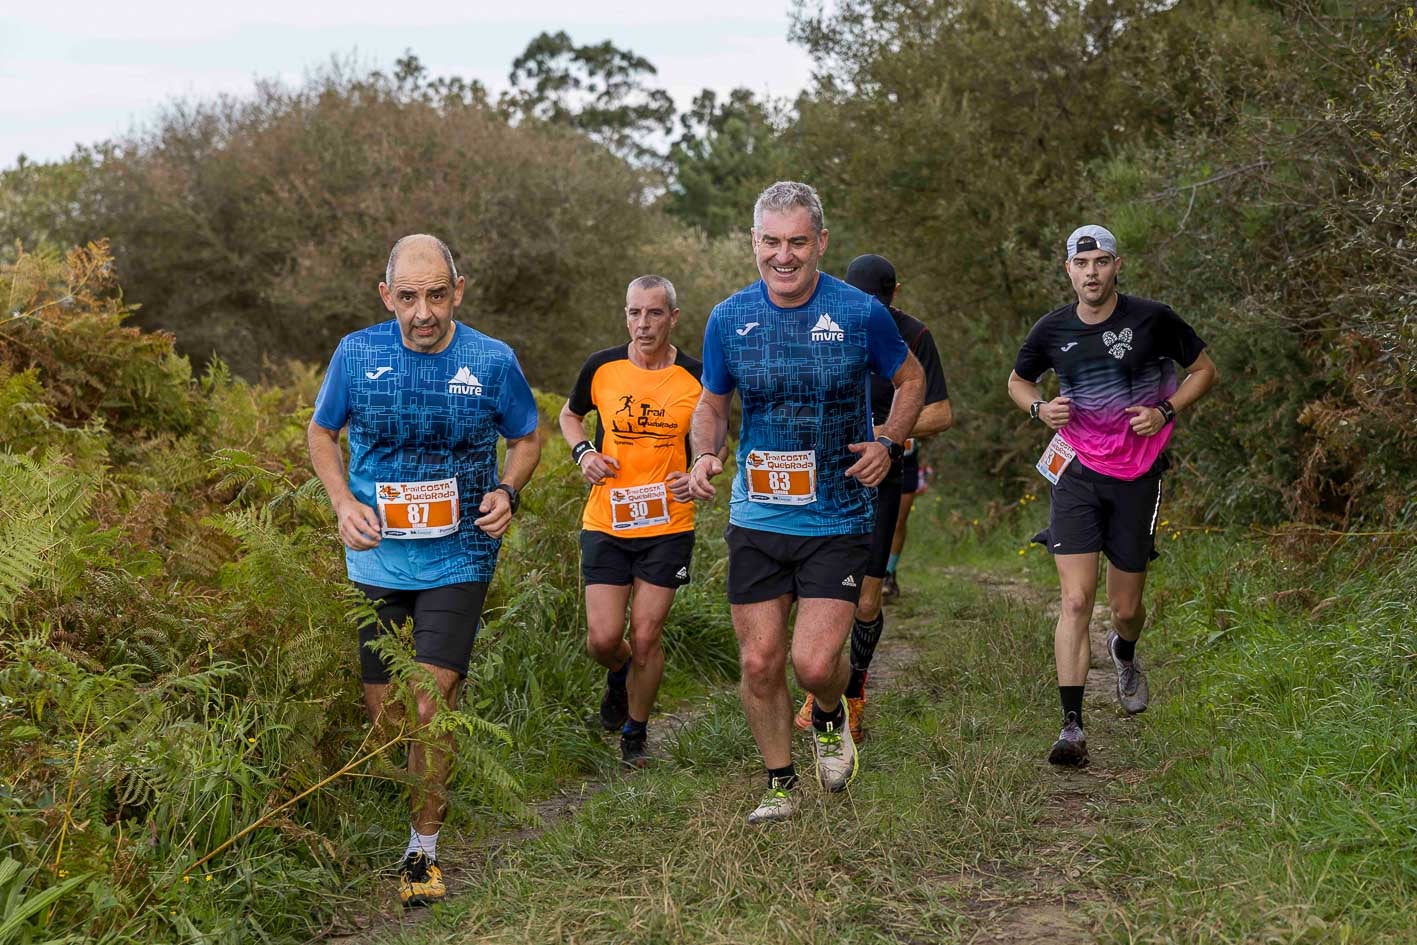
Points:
(785, 195)
(655, 282)
(398, 248)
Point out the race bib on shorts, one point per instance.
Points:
(418, 509)
(780, 477)
(1055, 459)
(639, 506)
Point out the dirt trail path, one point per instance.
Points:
(1042, 903)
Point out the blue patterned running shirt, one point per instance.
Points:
(417, 417)
(802, 376)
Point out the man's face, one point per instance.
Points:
(423, 299)
(788, 252)
(1094, 275)
(649, 319)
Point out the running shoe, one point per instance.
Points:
(779, 803)
(1132, 691)
(835, 752)
(632, 752)
(803, 719)
(889, 587)
(614, 705)
(856, 711)
(1071, 747)
(420, 880)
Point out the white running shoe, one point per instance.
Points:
(835, 752)
(779, 803)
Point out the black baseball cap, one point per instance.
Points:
(874, 275)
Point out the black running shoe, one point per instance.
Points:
(1070, 750)
(632, 752)
(614, 705)
(889, 587)
(420, 881)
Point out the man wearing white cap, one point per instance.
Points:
(1115, 356)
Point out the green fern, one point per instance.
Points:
(42, 505)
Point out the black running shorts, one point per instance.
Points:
(763, 566)
(910, 473)
(1091, 512)
(888, 495)
(661, 560)
(445, 622)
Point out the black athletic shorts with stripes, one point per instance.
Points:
(763, 566)
(445, 622)
(1091, 512)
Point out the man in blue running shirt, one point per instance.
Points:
(423, 509)
(799, 346)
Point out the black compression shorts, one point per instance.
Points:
(662, 560)
(888, 495)
(445, 622)
(763, 566)
(1091, 512)
(910, 473)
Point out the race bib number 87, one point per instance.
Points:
(781, 477)
(418, 509)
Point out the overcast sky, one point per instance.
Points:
(75, 72)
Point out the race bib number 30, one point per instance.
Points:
(639, 506)
(418, 509)
(782, 478)
(1055, 459)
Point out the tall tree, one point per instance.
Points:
(728, 150)
(600, 90)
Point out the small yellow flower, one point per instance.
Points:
(1165, 522)
(1023, 551)
(186, 879)
(250, 741)
(209, 877)
(63, 873)
(975, 522)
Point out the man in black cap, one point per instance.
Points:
(875, 276)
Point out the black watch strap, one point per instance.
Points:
(1033, 409)
(894, 449)
(513, 493)
(1168, 412)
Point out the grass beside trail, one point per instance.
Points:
(1267, 795)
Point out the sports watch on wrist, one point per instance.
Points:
(513, 493)
(1168, 412)
(895, 450)
(1033, 409)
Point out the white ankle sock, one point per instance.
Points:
(427, 844)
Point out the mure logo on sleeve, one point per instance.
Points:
(418, 509)
(780, 477)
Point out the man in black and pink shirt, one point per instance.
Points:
(1115, 356)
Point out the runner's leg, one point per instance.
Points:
(649, 608)
(762, 655)
(818, 658)
(1078, 576)
(429, 760)
(605, 623)
(1124, 596)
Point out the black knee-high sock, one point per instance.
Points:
(864, 637)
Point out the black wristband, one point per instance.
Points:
(580, 449)
(1168, 412)
(1034, 408)
(513, 493)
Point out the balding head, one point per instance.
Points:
(420, 246)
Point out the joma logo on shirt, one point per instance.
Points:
(827, 330)
(465, 382)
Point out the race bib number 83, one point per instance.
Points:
(781, 477)
(418, 509)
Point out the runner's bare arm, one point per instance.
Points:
(873, 459)
(358, 523)
(707, 435)
(934, 418)
(523, 453)
(596, 467)
(1054, 413)
(1201, 376)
